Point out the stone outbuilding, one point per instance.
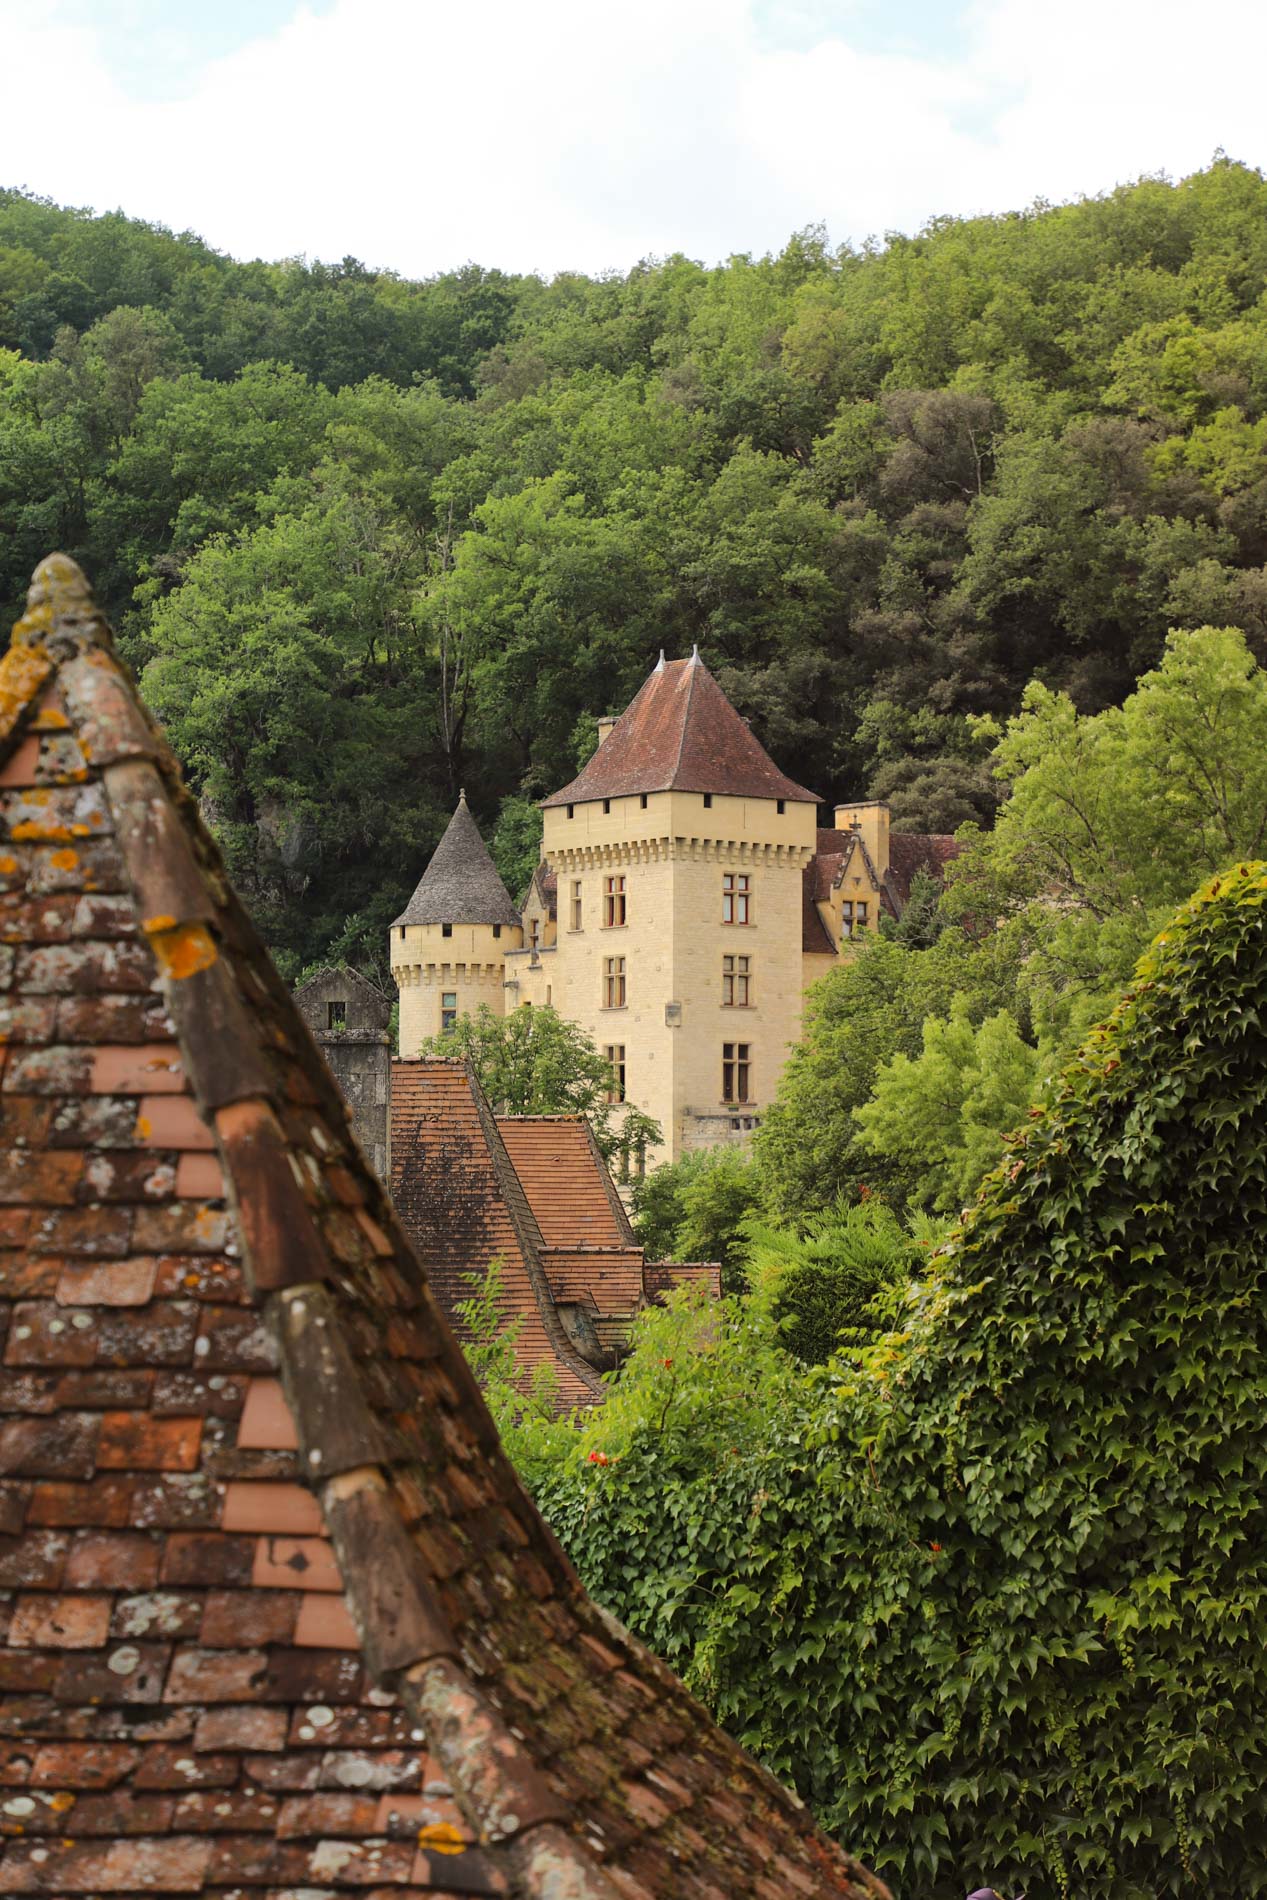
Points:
(280, 1618)
(349, 1019)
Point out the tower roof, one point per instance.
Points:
(460, 885)
(283, 1618)
(681, 734)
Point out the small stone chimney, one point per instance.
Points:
(871, 822)
(605, 724)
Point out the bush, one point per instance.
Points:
(840, 1276)
(693, 1209)
(993, 1601)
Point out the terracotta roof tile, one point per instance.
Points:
(911, 851)
(681, 733)
(285, 1619)
(663, 1276)
(570, 1192)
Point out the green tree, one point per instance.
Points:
(535, 1062)
(945, 1112)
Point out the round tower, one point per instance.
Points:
(449, 942)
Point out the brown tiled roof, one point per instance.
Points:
(680, 734)
(911, 851)
(463, 1208)
(460, 885)
(283, 1620)
(662, 1276)
(565, 1178)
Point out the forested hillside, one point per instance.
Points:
(369, 540)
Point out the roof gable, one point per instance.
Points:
(680, 733)
(277, 1585)
(461, 884)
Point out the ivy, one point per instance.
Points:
(991, 1592)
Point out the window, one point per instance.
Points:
(577, 907)
(708, 801)
(613, 983)
(497, 930)
(735, 981)
(780, 808)
(402, 933)
(736, 898)
(534, 933)
(615, 1054)
(571, 810)
(448, 1009)
(336, 1015)
(446, 930)
(736, 1072)
(642, 800)
(607, 805)
(613, 902)
(853, 917)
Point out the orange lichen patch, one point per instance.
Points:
(61, 860)
(50, 719)
(152, 925)
(8, 865)
(183, 951)
(442, 1838)
(31, 829)
(23, 671)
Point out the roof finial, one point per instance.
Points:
(462, 796)
(659, 665)
(695, 659)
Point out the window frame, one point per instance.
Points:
(578, 904)
(736, 1075)
(614, 1055)
(615, 985)
(736, 896)
(736, 980)
(448, 1011)
(615, 902)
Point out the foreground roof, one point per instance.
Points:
(680, 734)
(283, 1619)
(461, 884)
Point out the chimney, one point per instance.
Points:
(871, 822)
(605, 724)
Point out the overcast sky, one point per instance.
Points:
(557, 134)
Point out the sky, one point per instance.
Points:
(586, 134)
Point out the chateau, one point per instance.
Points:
(686, 899)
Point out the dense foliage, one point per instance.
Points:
(924, 1048)
(991, 1592)
(371, 540)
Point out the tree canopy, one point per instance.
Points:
(425, 530)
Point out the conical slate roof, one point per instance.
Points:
(460, 885)
(280, 1618)
(681, 734)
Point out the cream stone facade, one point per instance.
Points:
(678, 923)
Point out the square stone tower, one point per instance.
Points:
(678, 854)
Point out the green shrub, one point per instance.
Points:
(995, 1601)
(834, 1277)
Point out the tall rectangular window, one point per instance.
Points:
(336, 1015)
(448, 1009)
(736, 980)
(853, 917)
(613, 982)
(578, 909)
(613, 902)
(534, 933)
(736, 1072)
(736, 897)
(615, 1054)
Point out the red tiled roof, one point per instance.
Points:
(681, 733)
(283, 1619)
(566, 1181)
(662, 1276)
(463, 1207)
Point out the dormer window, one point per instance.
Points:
(336, 1015)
